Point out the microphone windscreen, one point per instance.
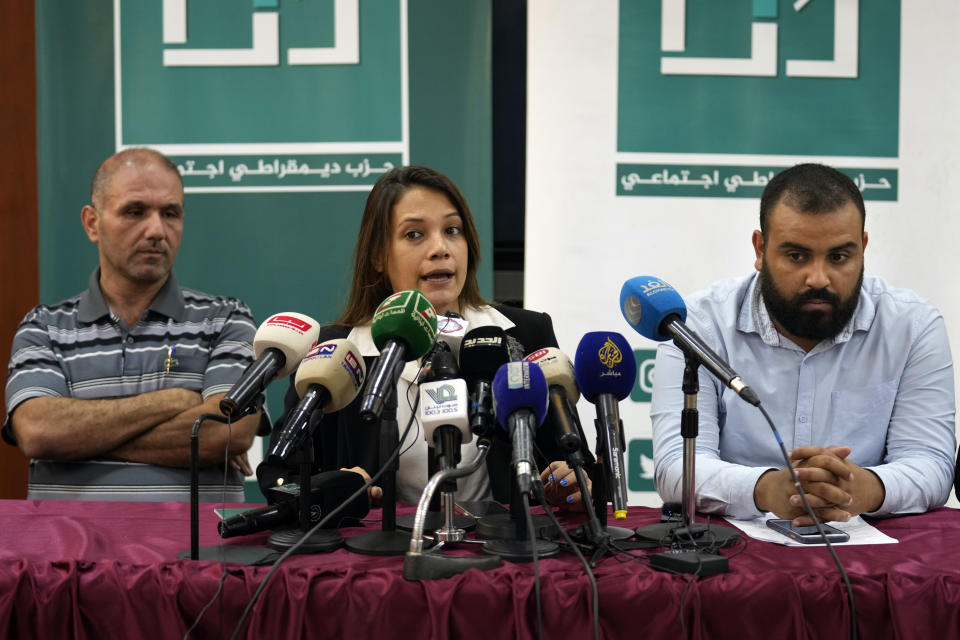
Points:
(337, 366)
(558, 370)
(451, 330)
(646, 302)
(406, 316)
(482, 352)
(604, 363)
(519, 385)
(291, 333)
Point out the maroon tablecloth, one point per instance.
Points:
(109, 570)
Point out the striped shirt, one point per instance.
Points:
(78, 348)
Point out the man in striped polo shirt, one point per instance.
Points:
(103, 388)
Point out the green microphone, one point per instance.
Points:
(404, 328)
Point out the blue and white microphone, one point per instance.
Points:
(520, 402)
(656, 311)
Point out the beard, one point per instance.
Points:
(809, 324)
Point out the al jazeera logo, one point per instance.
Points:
(610, 356)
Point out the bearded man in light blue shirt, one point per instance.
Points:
(856, 374)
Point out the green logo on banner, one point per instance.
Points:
(640, 465)
(772, 77)
(643, 389)
(265, 95)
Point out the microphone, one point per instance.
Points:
(482, 351)
(606, 371)
(451, 327)
(327, 491)
(520, 401)
(443, 408)
(656, 311)
(404, 328)
(564, 392)
(328, 379)
(279, 345)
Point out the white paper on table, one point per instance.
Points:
(860, 532)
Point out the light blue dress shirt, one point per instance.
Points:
(883, 386)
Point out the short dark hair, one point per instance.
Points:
(369, 286)
(103, 174)
(810, 188)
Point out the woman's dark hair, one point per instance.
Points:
(370, 286)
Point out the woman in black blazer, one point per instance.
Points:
(417, 232)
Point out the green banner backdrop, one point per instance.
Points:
(280, 115)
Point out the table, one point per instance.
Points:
(109, 569)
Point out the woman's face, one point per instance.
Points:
(426, 249)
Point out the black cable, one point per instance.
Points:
(816, 522)
(286, 554)
(538, 489)
(536, 568)
(223, 575)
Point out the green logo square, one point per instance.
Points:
(640, 465)
(800, 77)
(643, 388)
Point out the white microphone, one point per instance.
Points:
(278, 346)
(451, 329)
(564, 393)
(329, 378)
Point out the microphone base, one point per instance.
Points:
(435, 520)
(380, 543)
(520, 550)
(241, 554)
(321, 541)
(694, 536)
(432, 566)
(501, 526)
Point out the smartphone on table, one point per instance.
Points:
(807, 534)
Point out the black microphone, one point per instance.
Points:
(279, 345)
(482, 351)
(328, 490)
(657, 312)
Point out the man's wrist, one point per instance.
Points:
(761, 491)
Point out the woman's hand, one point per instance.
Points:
(373, 492)
(561, 488)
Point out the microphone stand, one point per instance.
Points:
(518, 547)
(225, 553)
(322, 540)
(689, 534)
(418, 565)
(592, 530)
(435, 518)
(601, 494)
(388, 541)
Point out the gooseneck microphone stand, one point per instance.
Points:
(420, 565)
(226, 553)
(388, 541)
(689, 534)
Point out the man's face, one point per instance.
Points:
(138, 225)
(811, 269)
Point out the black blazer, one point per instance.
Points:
(343, 440)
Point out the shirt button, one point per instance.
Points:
(129, 339)
(803, 418)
